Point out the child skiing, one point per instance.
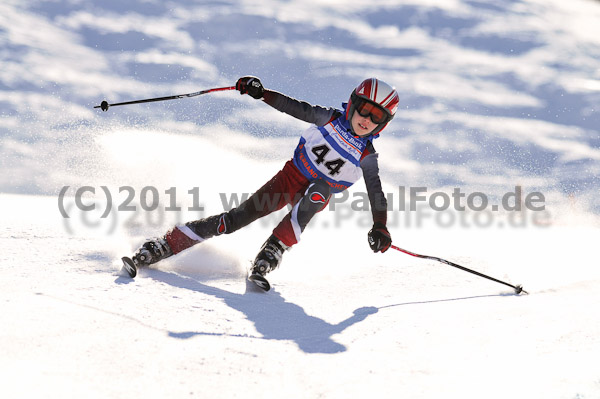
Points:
(331, 155)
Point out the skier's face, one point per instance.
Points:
(362, 125)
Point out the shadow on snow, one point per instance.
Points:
(275, 318)
(272, 315)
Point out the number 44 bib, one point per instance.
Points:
(331, 153)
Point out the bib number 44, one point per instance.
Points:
(333, 166)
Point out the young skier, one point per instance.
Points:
(331, 156)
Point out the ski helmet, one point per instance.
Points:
(374, 95)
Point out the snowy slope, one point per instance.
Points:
(495, 95)
(336, 324)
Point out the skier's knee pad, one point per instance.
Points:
(212, 226)
(319, 192)
(315, 199)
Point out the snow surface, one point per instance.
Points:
(495, 95)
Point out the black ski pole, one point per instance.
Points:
(518, 288)
(104, 104)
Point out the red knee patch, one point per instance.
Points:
(222, 225)
(317, 198)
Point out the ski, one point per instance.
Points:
(260, 281)
(129, 266)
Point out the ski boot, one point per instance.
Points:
(268, 259)
(150, 252)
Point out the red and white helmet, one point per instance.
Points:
(380, 95)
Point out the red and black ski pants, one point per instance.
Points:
(288, 186)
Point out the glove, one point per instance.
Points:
(379, 238)
(250, 85)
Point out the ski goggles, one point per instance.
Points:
(368, 109)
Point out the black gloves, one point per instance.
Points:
(250, 85)
(379, 238)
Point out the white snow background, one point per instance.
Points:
(494, 95)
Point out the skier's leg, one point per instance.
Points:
(272, 196)
(287, 233)
(314, 200)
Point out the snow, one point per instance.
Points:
(495, 95)
(336, 324)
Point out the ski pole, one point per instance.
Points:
(518, 288)
(104, 104)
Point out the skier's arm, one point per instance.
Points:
(302, 110)
(370, 168)
(380, 239)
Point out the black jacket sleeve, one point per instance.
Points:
(370, 168)
(302, 110)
